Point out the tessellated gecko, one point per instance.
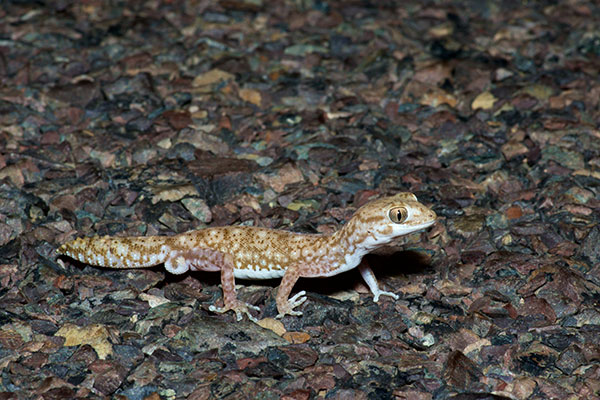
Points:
(259, 253)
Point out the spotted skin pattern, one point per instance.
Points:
(260, 253)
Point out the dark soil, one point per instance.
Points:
(158, 117)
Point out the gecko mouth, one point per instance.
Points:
(423, 225)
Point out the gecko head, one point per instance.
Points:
(387, 218)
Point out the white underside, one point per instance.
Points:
(351, 260)
(260, 274)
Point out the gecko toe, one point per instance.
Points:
(292, 303)
(297, 299)
(251, 318)
(218, 310)
(290, 312)
(240, 308)
(384, 293)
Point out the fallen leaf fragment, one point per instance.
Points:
(484, 100)
(476, 346)
(95, 335)
(296, 337)
(513, 149)
(522, 388)
(198, 207)
(299, 204)
(449, 288)
(251, 96)
(14, 173)
(514, 212)
(540, 92)
(9, 339)
(199, 137)
(288, 174)
(438, 97)
(153, 301)
(273, 324)
(413, 289)
(173, 193)
(211, 77)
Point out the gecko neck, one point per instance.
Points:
(354, 237)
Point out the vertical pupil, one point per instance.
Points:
(398, 214)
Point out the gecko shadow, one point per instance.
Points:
(82, 268)
(399, 263)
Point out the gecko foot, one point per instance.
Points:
(239, 307)
(292, 303)
(384, 293)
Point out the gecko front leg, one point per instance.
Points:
(230, 300)
(371, 281)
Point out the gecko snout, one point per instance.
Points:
(431, 214)
(424, 215)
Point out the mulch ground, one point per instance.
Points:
(158, 117)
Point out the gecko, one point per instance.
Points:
(247, 252)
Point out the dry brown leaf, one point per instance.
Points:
(173, 192)
(436, 98)
(273, 324)
(251, 96)
(95, 335)
(288, 174)
(296, 337)
(484, 100)
(211, 77)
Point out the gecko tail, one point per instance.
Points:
(118, 252)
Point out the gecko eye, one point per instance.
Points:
(398, 214)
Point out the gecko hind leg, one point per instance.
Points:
(286, 305)
(212, 260)
(230, 300)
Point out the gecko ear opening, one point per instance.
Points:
(398, 214)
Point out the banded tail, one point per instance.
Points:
(118, 252)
